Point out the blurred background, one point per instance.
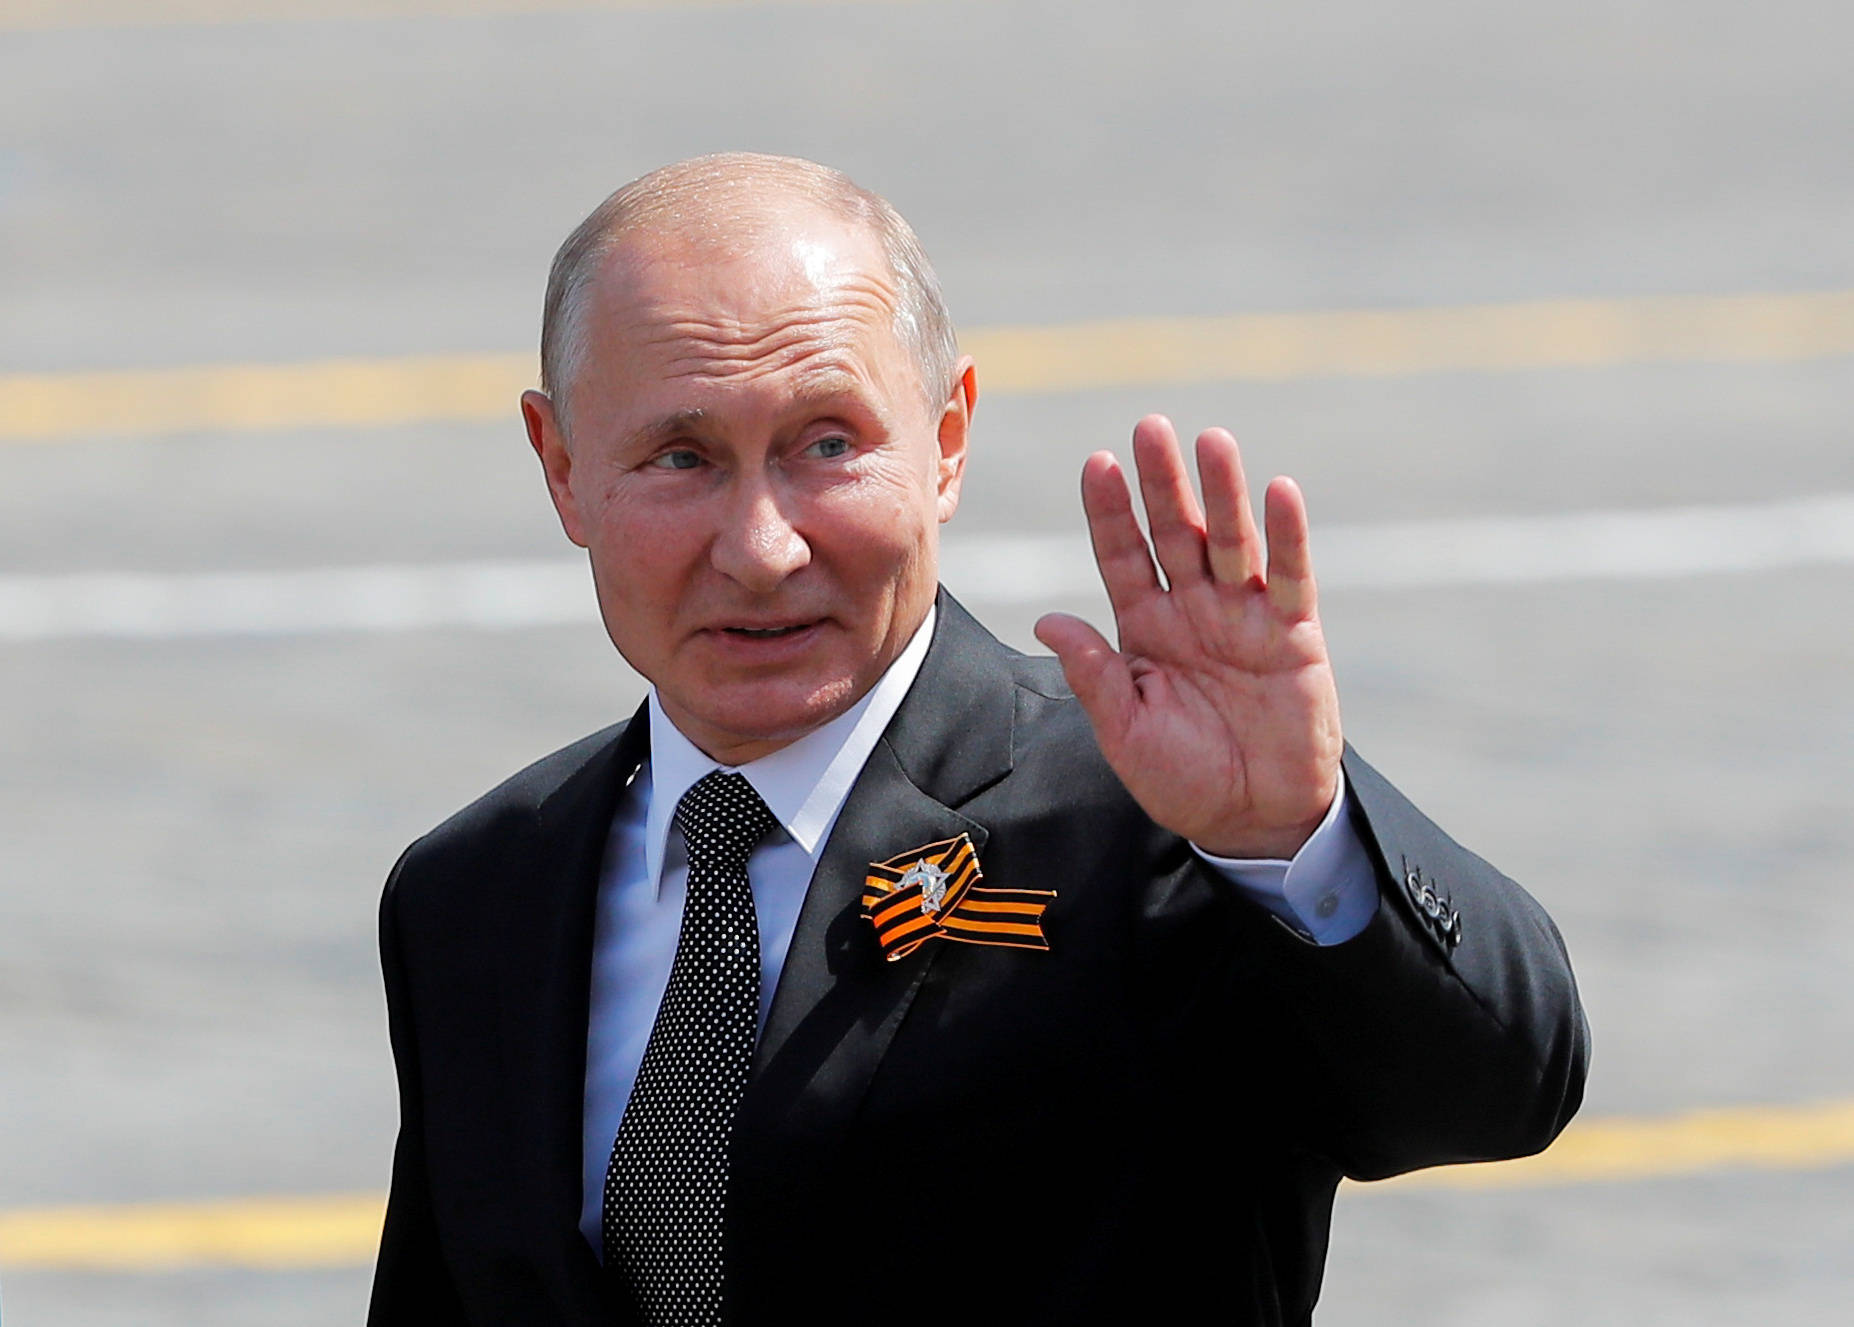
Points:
(1547, 307)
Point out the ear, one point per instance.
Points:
(955, 432)
(549, 441)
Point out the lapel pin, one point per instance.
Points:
(930, 879)
(932, 893)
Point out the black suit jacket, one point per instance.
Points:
(1145, 1123)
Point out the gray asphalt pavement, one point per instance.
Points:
(193, 833)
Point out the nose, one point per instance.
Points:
(757, 545)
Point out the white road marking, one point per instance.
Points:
(64, 15)
(1647, 544)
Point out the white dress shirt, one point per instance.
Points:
(1327, 893)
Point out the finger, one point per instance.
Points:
(1120, 550)
(1233, 543)
(1172, 512)
(1096, 672)
(1290, 560)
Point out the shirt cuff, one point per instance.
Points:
(1327, 893)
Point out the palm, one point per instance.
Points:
(1218, 710)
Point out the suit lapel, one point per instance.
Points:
(838, 1004)
(548, 923)
(837, 1000)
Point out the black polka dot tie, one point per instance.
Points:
(666, 1185)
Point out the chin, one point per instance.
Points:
(775, 712)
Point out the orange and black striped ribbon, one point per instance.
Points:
(904, 920)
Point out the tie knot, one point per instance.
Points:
(722, 820)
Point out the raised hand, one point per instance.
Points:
(1218, 711)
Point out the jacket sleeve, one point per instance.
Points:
(1449, 1030)
(412, 1286)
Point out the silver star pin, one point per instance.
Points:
(931, 879)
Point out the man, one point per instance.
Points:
(874, 972)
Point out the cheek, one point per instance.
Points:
(644, 552)
(895, 489)
(876, 528)
(878, 537)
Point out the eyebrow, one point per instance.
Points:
(821, 388)
(826, 387)
(669, 427)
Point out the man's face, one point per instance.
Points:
(754, 471)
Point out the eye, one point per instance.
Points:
(676, 458)
(828, 449)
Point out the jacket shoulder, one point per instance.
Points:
(1053, 742)
(1039, 674)
(506, 814)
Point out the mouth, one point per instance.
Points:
(765, 633)
(765, 641)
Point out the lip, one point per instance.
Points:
(736, 644)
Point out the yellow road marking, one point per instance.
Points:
(239, 397)
(343, 1230)
(331, 1231)
(1538, 334)
(58, 15)
(1808, 1137)
(1124, 352)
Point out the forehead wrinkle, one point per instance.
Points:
(653, 316)
(848, 307)
(800, 356)
(823, 341)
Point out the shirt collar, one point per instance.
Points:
(803, 784)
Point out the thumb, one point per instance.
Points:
(1096, 673)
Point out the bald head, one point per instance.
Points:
(725, 204)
